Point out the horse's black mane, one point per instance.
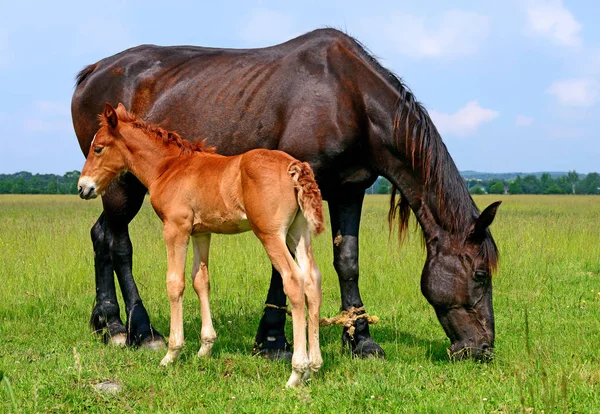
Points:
(429, 157)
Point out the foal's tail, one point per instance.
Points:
(309, 195)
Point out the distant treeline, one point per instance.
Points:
(27, 183)
(568, 183)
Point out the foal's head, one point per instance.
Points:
(105, 159)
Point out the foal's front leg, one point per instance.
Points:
(201, 282)
(177, 239)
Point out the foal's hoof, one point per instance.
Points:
(167, 360)
(368, 348)
(275, 354)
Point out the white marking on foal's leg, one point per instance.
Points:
(175, 288)
(201, 279)
(207, 340)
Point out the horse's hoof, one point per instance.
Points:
(118, 339)
(368, 348)
(275, 354)
(155, 344)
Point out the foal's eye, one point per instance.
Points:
(98, 150)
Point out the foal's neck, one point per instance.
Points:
(148, 158)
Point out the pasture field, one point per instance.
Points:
(546, 297)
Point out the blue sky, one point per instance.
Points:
(512, 85)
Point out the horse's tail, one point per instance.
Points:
(309, 195)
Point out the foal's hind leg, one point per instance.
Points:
(299, 241)
(293, 286)
(201, 282)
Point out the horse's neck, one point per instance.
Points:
(442, 201)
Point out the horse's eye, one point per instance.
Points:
(481, 275)
(98, 150)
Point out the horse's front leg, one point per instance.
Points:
(201, 281)
(176, 239)
(345, 222)
(106, 316)
(121, 202)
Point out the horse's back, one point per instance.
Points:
(293, 96)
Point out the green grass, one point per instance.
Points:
(546, 297)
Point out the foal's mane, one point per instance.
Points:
(167, 138)
(428, 156)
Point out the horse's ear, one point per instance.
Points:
(110, 115)
(484, 220)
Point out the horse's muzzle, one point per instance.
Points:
(483, 352)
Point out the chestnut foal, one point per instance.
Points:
(196, 192)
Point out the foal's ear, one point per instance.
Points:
(110, 115)
(483, 221)
(121, 108)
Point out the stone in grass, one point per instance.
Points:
(108, 387)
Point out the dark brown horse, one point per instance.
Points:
(323, 99)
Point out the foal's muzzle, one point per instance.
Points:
(86, 188)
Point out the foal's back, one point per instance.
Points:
(220, 194)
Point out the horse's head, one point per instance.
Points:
(105, 160)
(457, 282)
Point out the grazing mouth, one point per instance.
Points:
(485, 353)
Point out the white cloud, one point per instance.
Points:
(551, 19)
(3, 48)
(523, 120)
(267, 27)
(48, 116)
(451, 34)
(580, 92)
(53, 107)
(465, 121)
(103, 36)
(37, 125)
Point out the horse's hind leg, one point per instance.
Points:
(201, 281)
(299, 242)
(293, 286)
(121, 202)
(270, 338)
